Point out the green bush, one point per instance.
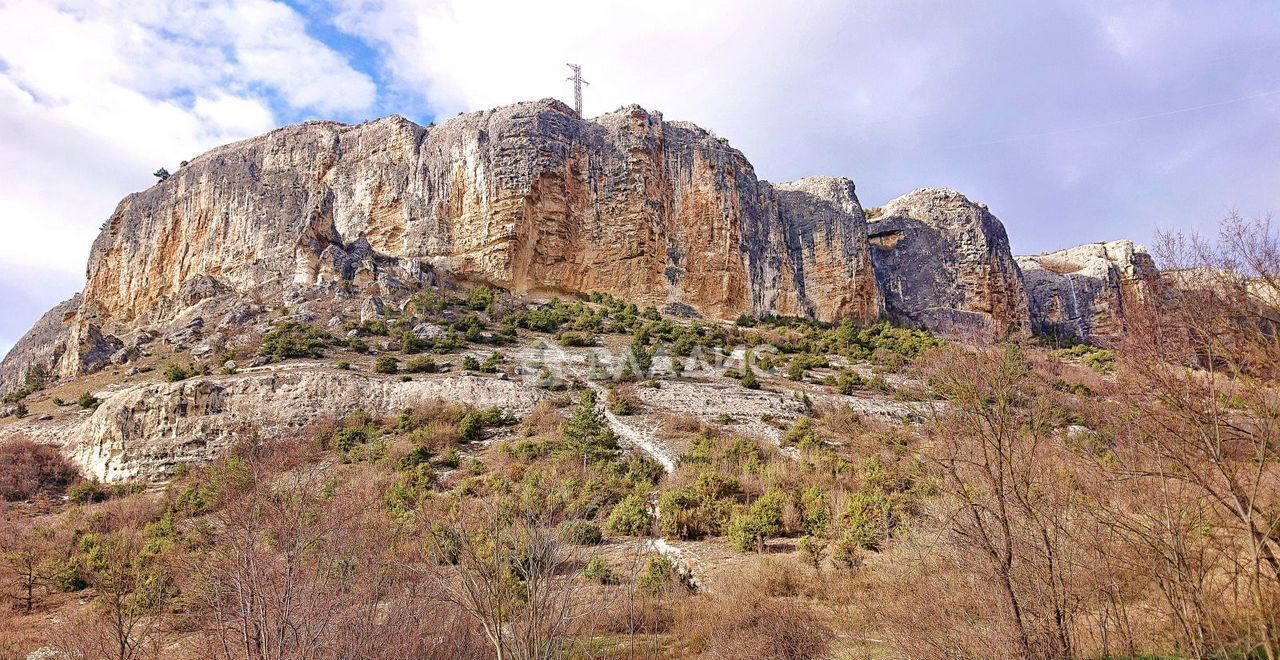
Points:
(88, 492)
(88, 401)
(599, 572)
(620, 404)
(630, 517)
(176, 372)
(658, 576)
(580, 532)
(357, 429)
(472, 425)
(749, 379)
(868, 520)
(422, 365)
(640, 357)
(386, 365)
(814, 511)
(358, 345)
(470, 429)
(803, 435)
(410, 488)
(850, 381)
(294, 340)
(480, 298)
(490, 364)
(20, 410)
(699, 509)
(410, 344)
(576, 339)
(375, 327)
(587, 434)
(419, 456)
(748, 530)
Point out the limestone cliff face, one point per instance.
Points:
(1083, 292)
(529, 197)
(43, 346)
(943, 262)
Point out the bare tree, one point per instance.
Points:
(508, 573)
(991, 447)
(271, 584)
(132, 589)
(1202, 371)
(26, 549)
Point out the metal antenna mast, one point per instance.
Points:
(578, 82)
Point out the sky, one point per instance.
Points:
(1074, 121)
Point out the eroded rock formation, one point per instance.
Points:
(1083, 292)
(943, 262)
(528, 197)
(532, 198)
(146, 431)
(42, 347)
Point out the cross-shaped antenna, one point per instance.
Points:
(578, 82)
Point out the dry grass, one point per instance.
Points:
(763, 615)
(545, 419)
(674, 425)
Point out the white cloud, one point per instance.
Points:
(991, 98)
(94, 96)
(761, 73)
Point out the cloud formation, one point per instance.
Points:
(1074, 120)
(94, 96)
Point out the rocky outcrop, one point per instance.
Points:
(1083, 292)
(42, 347)
(943, 262)
(534, 199)
(144, 432)
(529, 197)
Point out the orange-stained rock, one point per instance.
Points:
(1085, 292)
(528, 197)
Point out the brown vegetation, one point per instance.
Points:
(1050, 504)
(28, 469)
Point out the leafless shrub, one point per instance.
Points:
(28, 468)
(746, 622)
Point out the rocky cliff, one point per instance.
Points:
(529, 197)
(534, 199)
(943, 262)
(1083, 292)
(41, 348)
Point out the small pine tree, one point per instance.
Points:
(587, 432)
(630, 517)
(641, 356)
(750, 529)
(749, 379)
